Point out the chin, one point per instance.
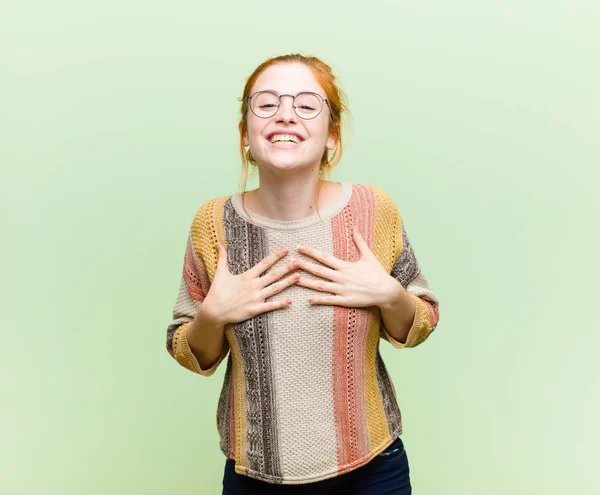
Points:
(281, 162)
(290, 165)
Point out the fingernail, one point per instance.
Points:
(300, 246)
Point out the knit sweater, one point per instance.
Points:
(306, 395)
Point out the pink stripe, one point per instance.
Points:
(350, 330)
(434, 313)
(340, 392)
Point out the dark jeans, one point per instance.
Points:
(387, 473)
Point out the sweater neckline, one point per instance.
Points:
(332, 210)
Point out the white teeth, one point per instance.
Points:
(277, 138)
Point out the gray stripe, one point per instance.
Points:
(388, 397)
(224, 409)
(246, 246)
(406, 268)
(170, 332)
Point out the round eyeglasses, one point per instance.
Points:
(307, 105)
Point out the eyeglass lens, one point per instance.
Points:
(265, 104)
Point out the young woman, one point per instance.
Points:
(296, 282)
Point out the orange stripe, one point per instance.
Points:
(340, 396)
(352, 327)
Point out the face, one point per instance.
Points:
(314, 133)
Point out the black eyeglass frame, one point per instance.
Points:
(324, 100)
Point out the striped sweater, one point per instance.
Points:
(306, 395)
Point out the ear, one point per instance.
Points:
(331, 141)
(244, 137)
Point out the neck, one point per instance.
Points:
(291, 199)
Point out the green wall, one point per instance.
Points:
(118, 119)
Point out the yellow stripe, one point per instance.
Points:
(240, 400)
(383, 249)
(239, 389)
(207, 228)
(204, 237)
(218, 216)
(377, 421)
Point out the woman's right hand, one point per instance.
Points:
(235, 298)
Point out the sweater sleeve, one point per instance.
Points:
(193, 287)
(407, 271)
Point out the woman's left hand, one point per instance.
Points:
(355, 284)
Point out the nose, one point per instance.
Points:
(285, 112)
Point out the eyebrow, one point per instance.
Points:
(274, 91)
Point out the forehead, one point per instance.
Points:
(288, 79)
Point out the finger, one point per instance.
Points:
(327, 300)
(322, 256)
(272, 305)
(267, 262)
(320, 285)
(279, 286)
(361, 244)
(320, 271)
(274, 275)
(221, 256)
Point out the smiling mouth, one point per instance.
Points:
(284, 144)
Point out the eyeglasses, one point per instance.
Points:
(307, 105)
